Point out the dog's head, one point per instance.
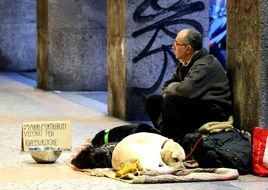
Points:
(90, 157)
(83, 159)
(173, 154)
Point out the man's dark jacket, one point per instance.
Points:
(202, 79)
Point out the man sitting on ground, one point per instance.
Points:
(197, 93)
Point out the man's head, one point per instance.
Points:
(186, 43)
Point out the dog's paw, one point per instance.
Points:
(129, 167)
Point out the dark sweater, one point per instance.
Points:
(203, 79)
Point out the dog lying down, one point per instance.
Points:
(152, 151)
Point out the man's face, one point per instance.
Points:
(179, 47)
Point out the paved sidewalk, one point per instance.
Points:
(21, 102)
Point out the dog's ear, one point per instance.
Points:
(162, 153)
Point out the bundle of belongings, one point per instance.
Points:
(219, 144)
(138, 153)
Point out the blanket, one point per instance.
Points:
(176, 175)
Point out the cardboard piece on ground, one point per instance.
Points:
(46, 133)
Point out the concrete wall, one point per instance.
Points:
(141, 45)
(72, 45)
(17, 35)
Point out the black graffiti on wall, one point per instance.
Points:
(176, 11)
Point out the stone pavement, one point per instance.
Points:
(20, 101)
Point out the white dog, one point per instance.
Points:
(153, 152)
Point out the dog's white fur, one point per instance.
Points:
(147, 149)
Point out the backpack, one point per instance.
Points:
(229, 149)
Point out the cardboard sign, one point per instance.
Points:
(46, 133)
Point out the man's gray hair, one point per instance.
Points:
(194, 38)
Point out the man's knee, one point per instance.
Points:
(153, 100)
(175, 102)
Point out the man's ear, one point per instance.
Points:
(190, 49)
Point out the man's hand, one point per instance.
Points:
(170, 89)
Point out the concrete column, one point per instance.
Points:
(116, 27)
(72, 45)
(17, 35)
(247, 61)
(140, 36)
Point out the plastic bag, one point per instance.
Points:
(260, 151)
